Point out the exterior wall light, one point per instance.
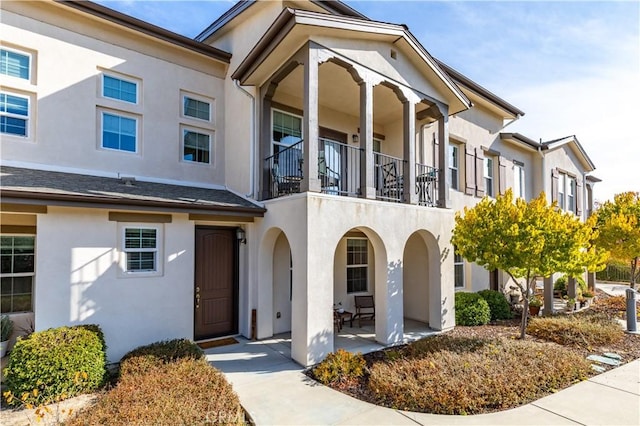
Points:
(241, 236)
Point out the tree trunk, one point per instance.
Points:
(525, 312)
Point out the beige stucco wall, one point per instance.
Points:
(67, 102)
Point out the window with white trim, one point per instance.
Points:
(120, 89)
(119, 132)
(454, 165)
(196, 108)
(14, 114)
(562, 184)
(17, 273)
(458, 270)
(286, 130)
(488, 176)
(196, 146)
(141, 249)
(15, 64)
(357, 265)
(518, 180)
(571, 194)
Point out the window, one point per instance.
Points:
(571, 195)
(17, 272)
(140, 249)
(287, 130)
(15, 64)
(196, 108)
(14, 114)
(357, 265)
(454, 165)
(488, 176)
(458, 270)
(518, 180)
(118, 132)
(562, 184)
(117, 88)
(196, 146)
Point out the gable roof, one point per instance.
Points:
(551, 145)
(291, 19)
(59, 188)
(334, 6)
(147, 28)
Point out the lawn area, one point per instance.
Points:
(482, 369)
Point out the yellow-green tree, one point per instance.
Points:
(619, 230)
(525, 239)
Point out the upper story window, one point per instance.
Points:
(571, 194)
(17, 272)
(196, 108)
(518, 180)
(454, 165)
(357, 265)
(119, 132)
(14, 114)
(488, 176)
(15, 64)
(196, 146)
(561, 191)
(286, 130)
(120, 89)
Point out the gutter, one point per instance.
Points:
(544, 174)
(254, 138)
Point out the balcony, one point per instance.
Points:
(340, 172)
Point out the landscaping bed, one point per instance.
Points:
(482, 369)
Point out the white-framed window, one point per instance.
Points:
(196, 146)
(119, 88)
(571, 194)
(196, 108)
(15, 63)
(17, 273)
(488, 175)
(458, 270)
(454, 165)
(141, 249)
(562, 184)
(357, 265)
(286, 129)
(518, 180)
(14, 114)
(119, 131)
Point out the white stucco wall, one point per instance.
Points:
(78, 280)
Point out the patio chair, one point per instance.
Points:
(391, 182)
(365, 309)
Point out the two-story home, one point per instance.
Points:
(292, 156)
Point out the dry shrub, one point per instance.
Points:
(614, 306)
(186, 391)
(339, 367)
(577, 330)
(490, 375)
(143, 358)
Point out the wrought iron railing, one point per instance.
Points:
(389, 172)
(339, 168)
(426, 185)
(285, 170)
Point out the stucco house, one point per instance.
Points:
(291, 156)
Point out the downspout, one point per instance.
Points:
(254, 137)
(584, 196)
(544, 173)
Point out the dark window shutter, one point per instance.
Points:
(578, 197)
(470, 175)
(479, 173)
(502, 175)
(555, 180)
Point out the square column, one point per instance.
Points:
(409, 135)
(389, 302)
(367, 172)
(548, 296)
(444, 178)
(310, 131)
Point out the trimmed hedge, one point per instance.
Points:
(55, 364)
(471, 309)
(498, 305)
(340, 366)
(146, 357)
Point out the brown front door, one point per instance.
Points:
(216, 283)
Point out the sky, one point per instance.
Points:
(572, 66)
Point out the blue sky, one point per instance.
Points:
(573, 67)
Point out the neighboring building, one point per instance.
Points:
(292, 156)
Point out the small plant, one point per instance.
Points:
(471, 309)
(498, 304)
(339, 367)
(6, 328)
(571, 303)
(535, 301)
(587, 294)
(45, 365)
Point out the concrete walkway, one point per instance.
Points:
(274, 391)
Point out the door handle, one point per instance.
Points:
(197, 301)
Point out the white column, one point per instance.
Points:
(388, 295)
(409, 135)
(367, 172)
(444, 178)
(310, 132)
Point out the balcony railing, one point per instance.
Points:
(426, 185)
(389, 176)
(339, 168)
(285, 170)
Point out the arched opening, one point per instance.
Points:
(415, 276)
(282, 285)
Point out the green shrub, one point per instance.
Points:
(54, 364)
(498, 305)
(184, 392)
(339, 366)
(491, 375)
(561, 284)
(144, 358)
(471, 309)
(576, 330)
